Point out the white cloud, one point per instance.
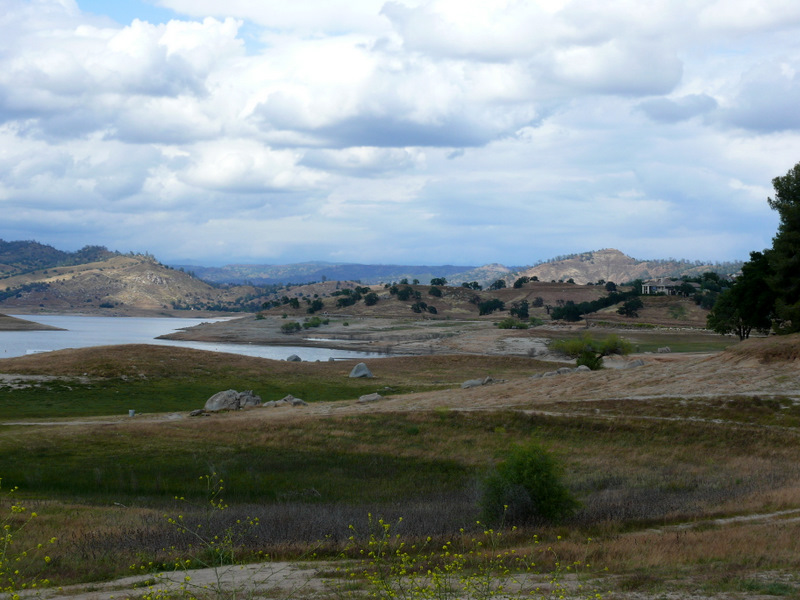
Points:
(475, 131)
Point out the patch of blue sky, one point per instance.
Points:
(125, 11)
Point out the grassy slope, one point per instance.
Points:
(112, 380)
(635, 464)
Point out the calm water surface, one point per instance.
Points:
(83, 332)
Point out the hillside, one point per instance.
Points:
(121, 282)
(8, 323)
(25, 256)
(308, 272)
(587, 267)
(613, 265)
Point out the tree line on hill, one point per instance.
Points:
(766, 296)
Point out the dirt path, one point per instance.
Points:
(259, 580)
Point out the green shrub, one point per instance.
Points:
(511, 323)
(590, 351)
(290, 327)
(526, 487)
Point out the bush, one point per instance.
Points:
(511, 323)
(590, 351)
(290, 327)
(526, 487)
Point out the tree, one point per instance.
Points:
(568, 312)
(520, 309)
(521, 281)
(784, 257)
(610, 286)
(315, 306)
(438, 281)
(498, 285)
(748, 304)
(487, 307)
(630, 308)
(371, 299)
(435, 291)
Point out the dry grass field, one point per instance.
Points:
(687, 468)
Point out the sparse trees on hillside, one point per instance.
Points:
(521, 281)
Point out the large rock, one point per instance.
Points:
(470, 383)
(370, 398)
(360, 370)
(227, 400)
(232, 400)
(294, 358)
(248, 398)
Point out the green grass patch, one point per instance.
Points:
(119, 464)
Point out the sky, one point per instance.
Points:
(459, 132)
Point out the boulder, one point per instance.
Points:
(582, 369)
(197, 413)
(664, 350)
(248, 398)
(360, 370)
(564, 370)
(470, 383)
(294, 358)
(227, 400)
(370, 398)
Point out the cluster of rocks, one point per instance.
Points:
(233, 400)
(583, 369)
(562, 371)
(287, 400)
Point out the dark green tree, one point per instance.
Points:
(520, 309)
(630, 308)
(784, 257)
(371, 299)
(521, 281)
(497, 285)
(748, 304)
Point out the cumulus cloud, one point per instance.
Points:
(476, 131)
(667, 110)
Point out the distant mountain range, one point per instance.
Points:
(308, 272)
(587, 267)
(37, 276)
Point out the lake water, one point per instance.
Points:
(84, 331)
